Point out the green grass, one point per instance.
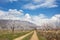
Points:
(10, 36)
(40, 37)
(28, 37)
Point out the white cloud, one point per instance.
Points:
(12, 14)
(6, 1)
(15, 11)
(12, 0)
(27, 17)
(49, 3)
(56, 18)
(41, 19)
(41, 4)
(1, 12)
(38, 1)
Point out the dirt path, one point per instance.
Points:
(20, 38)
(34, 36)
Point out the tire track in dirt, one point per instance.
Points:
(20, 38)
(34, 36)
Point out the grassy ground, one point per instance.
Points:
(28, 37)
(10, 36)
(40, 37)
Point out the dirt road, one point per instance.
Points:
(34, 36)
(20, 38)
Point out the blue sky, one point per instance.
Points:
(18, 4)
(29, 9)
